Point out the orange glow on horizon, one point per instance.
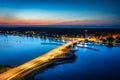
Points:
(54, 22)
(28, 22)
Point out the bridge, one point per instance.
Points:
(25, 69)
(29, 67)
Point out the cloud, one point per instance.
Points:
(90, 22)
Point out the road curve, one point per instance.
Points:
(23, 70)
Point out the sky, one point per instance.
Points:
(59, 12)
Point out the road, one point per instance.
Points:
(23, 70)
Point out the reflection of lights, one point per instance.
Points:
(47, 40)
(80, 45)
(63, 40)
(76, 48)
(85, 45)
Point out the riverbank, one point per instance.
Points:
(4, 68)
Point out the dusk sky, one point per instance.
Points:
(60, 12)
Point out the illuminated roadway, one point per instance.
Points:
(25, 69)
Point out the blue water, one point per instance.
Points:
(16, 50)
(89, 65)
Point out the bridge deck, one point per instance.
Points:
(21, 71)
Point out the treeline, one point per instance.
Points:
(63, 30)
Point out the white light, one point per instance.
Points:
(85, 45)
(76, 47)
(63, 40)
(80, 45)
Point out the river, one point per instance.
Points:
(89, 64)
(16, 50)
